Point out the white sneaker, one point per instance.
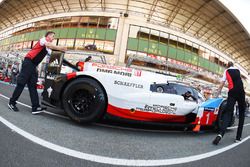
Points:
(237, 140)
(38, 110)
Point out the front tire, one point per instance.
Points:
(84, 100)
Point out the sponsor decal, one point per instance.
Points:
(51, 77)
(110, 67)
(54, 63)
(104, 70)
(137, 73)
(159, 109)
(128, 74)
(124, 71)
(128, 84)
(209, 109)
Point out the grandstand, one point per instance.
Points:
(197, 35)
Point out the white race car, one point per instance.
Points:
(88, 91)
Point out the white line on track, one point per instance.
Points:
(50, 113)
(115, 161)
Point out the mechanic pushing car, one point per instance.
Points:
(236, 93)
(29, 73)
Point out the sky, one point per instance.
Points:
(240, 9)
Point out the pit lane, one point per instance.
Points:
(110, 144)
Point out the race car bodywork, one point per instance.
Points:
(90, 90)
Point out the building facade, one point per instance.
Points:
(158, 34)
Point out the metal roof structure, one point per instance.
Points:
(207, 20)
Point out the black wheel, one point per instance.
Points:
(84, 100)
(232, 120)
(220, 113)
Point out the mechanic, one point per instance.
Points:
(29, 73)
(14, 73)
(236, 93)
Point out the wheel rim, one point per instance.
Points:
(80, 101)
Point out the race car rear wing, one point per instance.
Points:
(66, 63)
(56, 62)
(54, 78)
(96, 56)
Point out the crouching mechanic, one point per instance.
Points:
(236, 93)
(29, 73)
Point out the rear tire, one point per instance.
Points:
(84, 100)
(220, 113)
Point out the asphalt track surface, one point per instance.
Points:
(51, 139)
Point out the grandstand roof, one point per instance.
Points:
(206, 20)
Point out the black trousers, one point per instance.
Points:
(226, 117)
(29, 76)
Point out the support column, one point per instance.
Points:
(121, 41)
